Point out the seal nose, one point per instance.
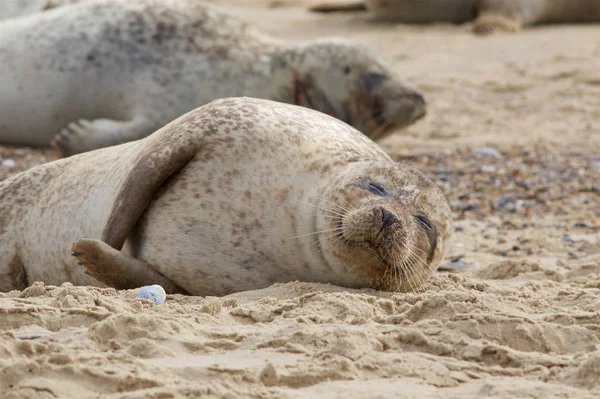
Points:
(419, 105)
(373, 80)
(417, 98)
(387, 218)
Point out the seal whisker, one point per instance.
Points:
(319, 207)
(418, 263)
(408, 263)
(396, 275)
(313, 233)
(352, 207)
(414, 275)
(337, 205)
(336, 232)
(416, 248)
(425, 263)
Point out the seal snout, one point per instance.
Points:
(418, 99)
(386, 218)
(389, 104)
(419, 105)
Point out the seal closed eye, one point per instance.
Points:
(431, 232)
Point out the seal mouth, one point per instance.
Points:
(420, 109)
(389, 225)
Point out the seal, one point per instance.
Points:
(109, 72)
(423, 11)
(488, 15)
(235, 195)
(407, 11)
(513, 15)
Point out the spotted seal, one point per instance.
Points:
(235, 195)
(112, 71)
(488, 15)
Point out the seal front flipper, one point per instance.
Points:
(504, 15)
(160, 156)
(83, 135)
(118, 270)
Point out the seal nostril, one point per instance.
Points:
(387, 218)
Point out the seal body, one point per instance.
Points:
(102, 73)
(235, 195)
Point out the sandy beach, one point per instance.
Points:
(512, 136)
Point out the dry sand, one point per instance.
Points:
(521, 321)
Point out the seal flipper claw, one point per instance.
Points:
(70, 136)
(117, 269)
(487, 24)
(84, 135)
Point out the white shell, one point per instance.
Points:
(155, 293)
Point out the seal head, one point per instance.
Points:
(387, 223)
(350, 81)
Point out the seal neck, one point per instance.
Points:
(283, 79)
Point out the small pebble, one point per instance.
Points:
(454, 267)
(155, 293)
(7, 163)
(487, 152)
(269, 375)
(567, 238)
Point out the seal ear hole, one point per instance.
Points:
(347, 70)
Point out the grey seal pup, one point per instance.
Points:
(101, 73)
(235, 195)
